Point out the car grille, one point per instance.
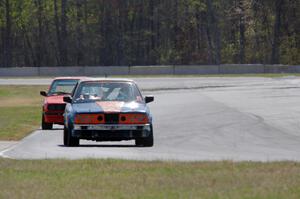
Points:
(56, 107)
(111, 118)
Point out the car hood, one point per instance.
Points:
(109, 107)
(56, 99)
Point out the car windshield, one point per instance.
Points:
(62, 86)
(107, 91)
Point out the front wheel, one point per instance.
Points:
(69, 140)
(145, 142)
(45, 125)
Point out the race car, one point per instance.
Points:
(54, 106)
(107, 110)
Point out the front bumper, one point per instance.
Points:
(54, 117)
(111, 132)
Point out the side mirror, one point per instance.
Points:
(43, 93)
(68, 99)
(149, 99)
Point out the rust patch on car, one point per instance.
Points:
(111, 107)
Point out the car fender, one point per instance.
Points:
(68, 116)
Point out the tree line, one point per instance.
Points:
(148, 32)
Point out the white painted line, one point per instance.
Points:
(6, 149)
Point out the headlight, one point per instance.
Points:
(45, 105)
(137, 118)
(89, 119)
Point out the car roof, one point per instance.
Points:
(106, 80)
(66, 78)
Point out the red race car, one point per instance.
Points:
(54, 106)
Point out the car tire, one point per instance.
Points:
(45, 125)
(69, 140)
(147, 141)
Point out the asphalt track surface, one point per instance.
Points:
(251, 119)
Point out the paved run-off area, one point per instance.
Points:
(237, 119)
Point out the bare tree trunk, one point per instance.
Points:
(218, 44)
(2, 46)
(242, 43)
(157, 33)
(57, 28)
(26, 60)
(242, 32)
(79, 34)
(52, 48)
(7, 42)
(176, 28)
(40, 43)
(121, 15)
(213, 33)
(30, 48)
(209, 31)
(276, 33)
(151, 28)
(64, 43)
(198, 30)
(210, 47)
(152, 40)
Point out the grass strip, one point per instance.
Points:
(133, 179)
(20, 108)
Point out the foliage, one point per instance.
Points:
(139, 32)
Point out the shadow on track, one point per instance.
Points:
(103, 146)
(55, 127)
